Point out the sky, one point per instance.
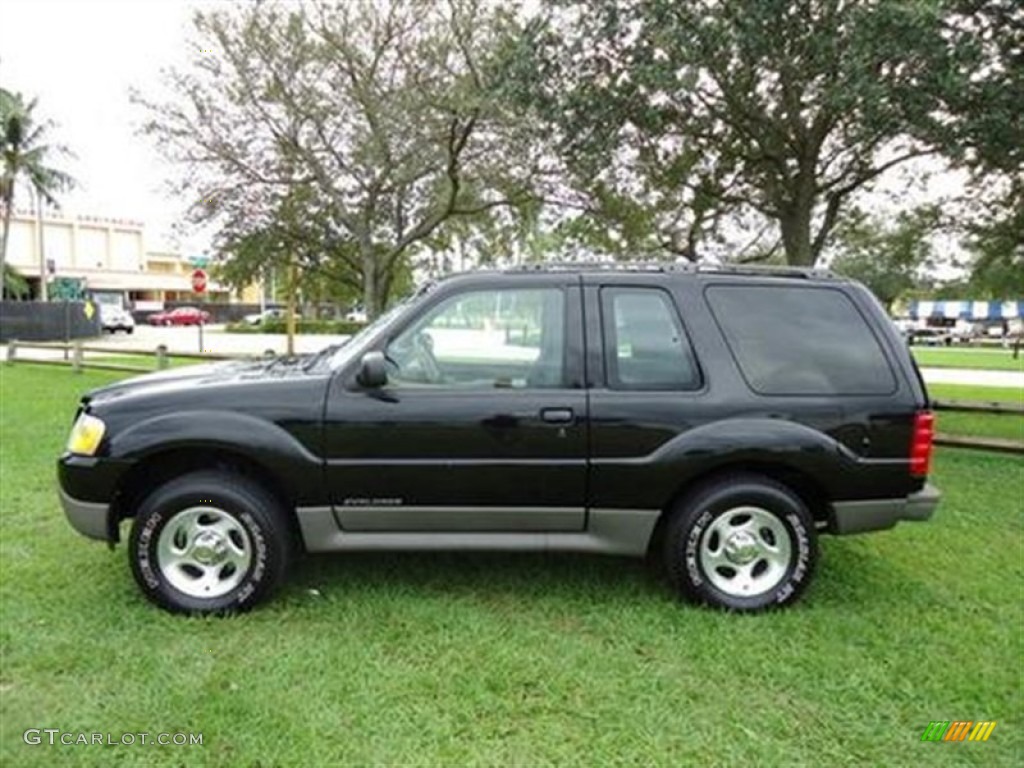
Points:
(80, 59)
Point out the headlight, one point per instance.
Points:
(86, 435)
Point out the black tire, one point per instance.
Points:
(171, 564)
(775, 549)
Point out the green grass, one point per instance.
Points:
(973, 392)
(429, 659)
(142, 361)
(954, 357)
(1004, 425)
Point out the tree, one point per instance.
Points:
(888, 259)
(288, 242)
(14, 284)
(984, 133)
(674, 115)
(385, 114)
(996, 241)
(25, 154)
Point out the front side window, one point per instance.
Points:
(645, 347)
(484, 339)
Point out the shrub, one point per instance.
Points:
(333, 327)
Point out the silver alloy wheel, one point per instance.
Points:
(204, 552)
(745, 552)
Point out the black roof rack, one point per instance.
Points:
(769, 270)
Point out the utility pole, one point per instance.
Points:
(293, 281)
(42, 244)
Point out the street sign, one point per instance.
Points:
(199, 281)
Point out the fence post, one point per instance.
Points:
(76, 361)
(12, 350)
(67, 325)
(161, 357)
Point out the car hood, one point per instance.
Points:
(194, 381)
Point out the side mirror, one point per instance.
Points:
(373, 371)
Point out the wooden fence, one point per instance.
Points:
(75, 357)
(1000, 444)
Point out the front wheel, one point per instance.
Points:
(209, 542)
(743, 542)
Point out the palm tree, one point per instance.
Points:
(24, 154)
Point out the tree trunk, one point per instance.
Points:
(375, 286)
(8, 207)
(796, 236)
(370, 288)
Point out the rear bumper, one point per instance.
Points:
(878, 514)
(87, 517)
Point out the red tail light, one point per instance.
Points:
(921, 443)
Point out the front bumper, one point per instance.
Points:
(880, 514)
(86, 485)
(87, 517)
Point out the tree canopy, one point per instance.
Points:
(889, 258)
(775, 113)
(383, 116)
(26, 155)
(344, 139)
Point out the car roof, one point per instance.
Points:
(655, 268)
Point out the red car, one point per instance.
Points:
(180, 316)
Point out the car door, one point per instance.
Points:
(482, 425)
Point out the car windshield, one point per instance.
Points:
(355, 346)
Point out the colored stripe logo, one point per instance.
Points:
(958, 730)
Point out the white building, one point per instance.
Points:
(110, 255)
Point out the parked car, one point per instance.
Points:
(114, 318)
(180, 316)
(355, 316)
(272, 314)
(721, 419)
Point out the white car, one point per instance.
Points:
(267, 314)
(114, 318)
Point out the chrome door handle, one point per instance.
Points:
(557, 415)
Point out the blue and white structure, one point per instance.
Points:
(967, 310)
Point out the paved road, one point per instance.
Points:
(973, 376)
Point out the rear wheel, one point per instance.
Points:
(742, 542)
(209, 542)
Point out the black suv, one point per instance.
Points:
(718, 418)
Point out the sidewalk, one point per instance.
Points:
(980, 378)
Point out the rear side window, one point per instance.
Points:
(800, 341)
(645, 347)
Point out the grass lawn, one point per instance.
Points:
(958, 357)
(973, 392)
(1004, 425)
(528, 659)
